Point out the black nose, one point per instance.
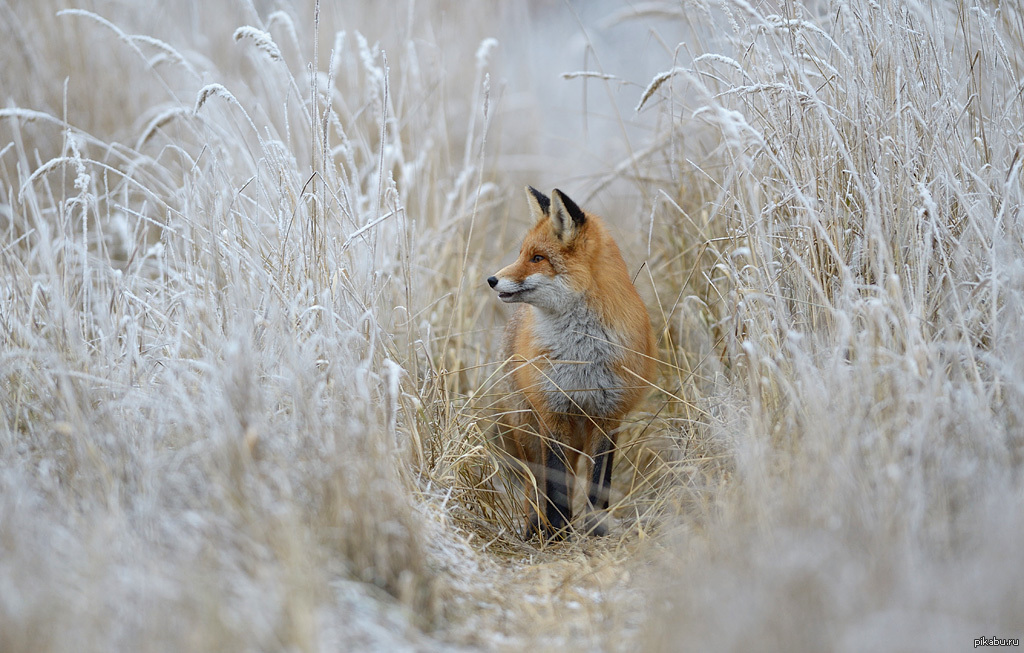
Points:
(492, 281)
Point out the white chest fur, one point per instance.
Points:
(581, 354)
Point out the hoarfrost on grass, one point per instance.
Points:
(262, 40)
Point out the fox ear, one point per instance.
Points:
(566, 217)
(539, 203)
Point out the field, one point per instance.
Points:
(249, 359)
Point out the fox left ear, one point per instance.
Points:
(566, 217)
(539, 203)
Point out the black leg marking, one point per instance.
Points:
(601, 477)
(557, 508)
(599, 492)
(533, 526)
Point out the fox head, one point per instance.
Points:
(551, 269)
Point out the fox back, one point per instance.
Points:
(580, 342)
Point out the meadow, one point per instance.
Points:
(249, 359)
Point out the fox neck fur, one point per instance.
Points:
(577, 358)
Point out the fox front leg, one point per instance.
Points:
(599, 491)
(557, 504)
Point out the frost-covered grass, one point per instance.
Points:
(248, 358)
(843, 184)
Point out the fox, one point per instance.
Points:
(581, 351)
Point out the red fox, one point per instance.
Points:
(582, 351)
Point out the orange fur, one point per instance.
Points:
(582, 349)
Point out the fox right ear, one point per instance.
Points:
(566, 218)
(539, 203)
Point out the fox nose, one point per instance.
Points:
(492, 281)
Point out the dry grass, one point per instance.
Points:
(248, 359)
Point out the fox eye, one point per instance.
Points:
(537, 258)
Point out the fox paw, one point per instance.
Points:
(533, 527)
(536, 528)
(597, 523)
